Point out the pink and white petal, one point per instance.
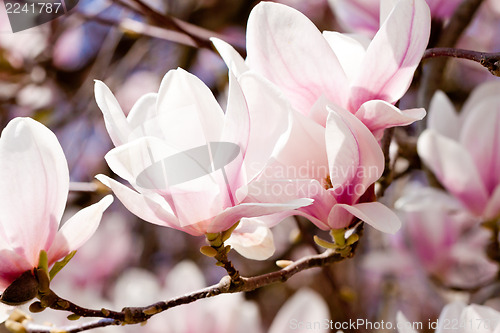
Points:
(306, 306)
(114, 118)
(481, 93)
(492, 210)
(450, 312)
(78, 229)
(378, 115)
(34, 181)
(252, 239)
(443, 118)
(349, 51)
(280, 41)
(270, 121)
(5, 311)
(454, 168)
(404, 35)
(231, 215)
(12, 265)
(354, 156)
(135, 162)
(304, 153)
(404, 326)
(142, 113)
(375, 214)
(189, 115)
(153, 211)
(484, 148)
(234, 61)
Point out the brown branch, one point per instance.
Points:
(133, 315)
(489, 60)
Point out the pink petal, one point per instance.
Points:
(12, 266)
(454, 168)
(78, 229)
(481, 137)
(306, 306)
(443, 118)
(357, 15)
(185, 102)
(234, 61)
(378, 115)
(231, 215)
(393, 55)
(34, 184)
(252, 239)
(114, 118)
(354, 156)
(375, 214)
(482, 92)
(153, 211)
(286, 47)
(270, 121)
(492, 210)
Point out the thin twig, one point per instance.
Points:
(132, 315)
(489, 60)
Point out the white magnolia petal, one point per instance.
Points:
(252, 239)
(114, 118)
(443, 118)
(234, 61)
(34, 181)
(375, 214)
(78, 229)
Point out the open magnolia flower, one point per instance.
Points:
(189, 163)
(362, 76)
(34, 181)
(462, 149)
(343, 189)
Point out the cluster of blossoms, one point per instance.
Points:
(301, 134)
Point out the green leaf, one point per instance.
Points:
(60, 264)
(43, 261)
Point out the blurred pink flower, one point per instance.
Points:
(34, 182)
(459, 317)
(175, 125)
(365, 77)
(462, 149)
(363, 16)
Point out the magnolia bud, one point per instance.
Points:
(23, 289)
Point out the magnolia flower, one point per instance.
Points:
(34, 181)
(343, 188)
(466, 163)
(365, 77)
(458, 317)
(363, 16)
(188, 162)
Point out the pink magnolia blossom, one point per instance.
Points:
(342, 188)
(183, 116)
(365, 77)
(462, 149)
(459, 317)
(34, 182)
(363, 16)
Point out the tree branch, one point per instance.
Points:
(133, 315)
(489, 60)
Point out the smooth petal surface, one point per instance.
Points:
(286, 47)
(185, 102)
(234, 61)
(404, 326)
(306, 306)
(34, 184)
(373, 213)
(142, 113)
(481, 137)
(78, 229)
(454, 168)
(379, 115)
(443, 118)
(393, 54)
(493, 208)
(357, 15)
(231, 215)
(354, 156)
(114, 118)
(252, 239)
(12, 265)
